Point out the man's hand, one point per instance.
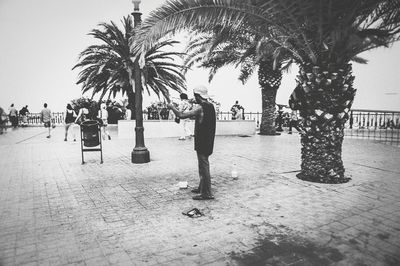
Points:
(170, 105)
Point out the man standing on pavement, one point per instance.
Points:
(204, 134)
(13, 115)
(45, 117)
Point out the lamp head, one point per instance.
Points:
(136, 4)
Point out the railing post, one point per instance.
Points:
(351, 119)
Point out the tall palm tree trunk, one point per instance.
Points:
(269, 80)
(324, 95)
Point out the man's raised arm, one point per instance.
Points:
(195, 112)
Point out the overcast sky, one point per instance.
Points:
(41, 40)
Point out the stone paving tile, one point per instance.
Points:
(55, 211)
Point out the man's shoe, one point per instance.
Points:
(201, 197)
(65, 139)
(195, 190)
(109, 137)
(48, 136)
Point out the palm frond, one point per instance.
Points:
(105, 68)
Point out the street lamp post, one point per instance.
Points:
(140, 154)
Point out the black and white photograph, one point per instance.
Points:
(200, 132)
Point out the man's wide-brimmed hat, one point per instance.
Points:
(202, 91)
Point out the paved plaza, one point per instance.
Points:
(56, 211)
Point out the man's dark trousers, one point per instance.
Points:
(204, 173)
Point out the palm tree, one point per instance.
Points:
(107, 68)
(323, 36)
(228, 46)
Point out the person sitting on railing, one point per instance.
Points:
(237, 111)
(70, 116)
(24, 115)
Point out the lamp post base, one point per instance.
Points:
(140, 155)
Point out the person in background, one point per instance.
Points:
(69, 121)
(293, 121)
(184, 106)
(83, 115)
(13, 115)
(128, 113)
(3, 121)
(46, 117)
(205, 121)
(24, 115)
(103, 115)
(237, 111)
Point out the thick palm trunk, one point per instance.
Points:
(324, 96)
(269, 80)
(267, 126)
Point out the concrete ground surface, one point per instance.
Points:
(56, 211)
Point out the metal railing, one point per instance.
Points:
(34, 118)
(383, 126)
(371, 124)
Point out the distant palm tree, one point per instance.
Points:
(323, 36)
(107, 68)
(228, 46)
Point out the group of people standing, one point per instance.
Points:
(14, 116)
(20, 118)
(71, 119)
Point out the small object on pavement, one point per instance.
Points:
(234, 172)
(183, 185)
(193, 213)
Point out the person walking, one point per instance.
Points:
(103, 115)
(24, 116)
(184, 106)
(13, 115)
(205, 121)
(46, 117)
(69, 121)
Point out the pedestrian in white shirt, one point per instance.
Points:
(103, 115)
